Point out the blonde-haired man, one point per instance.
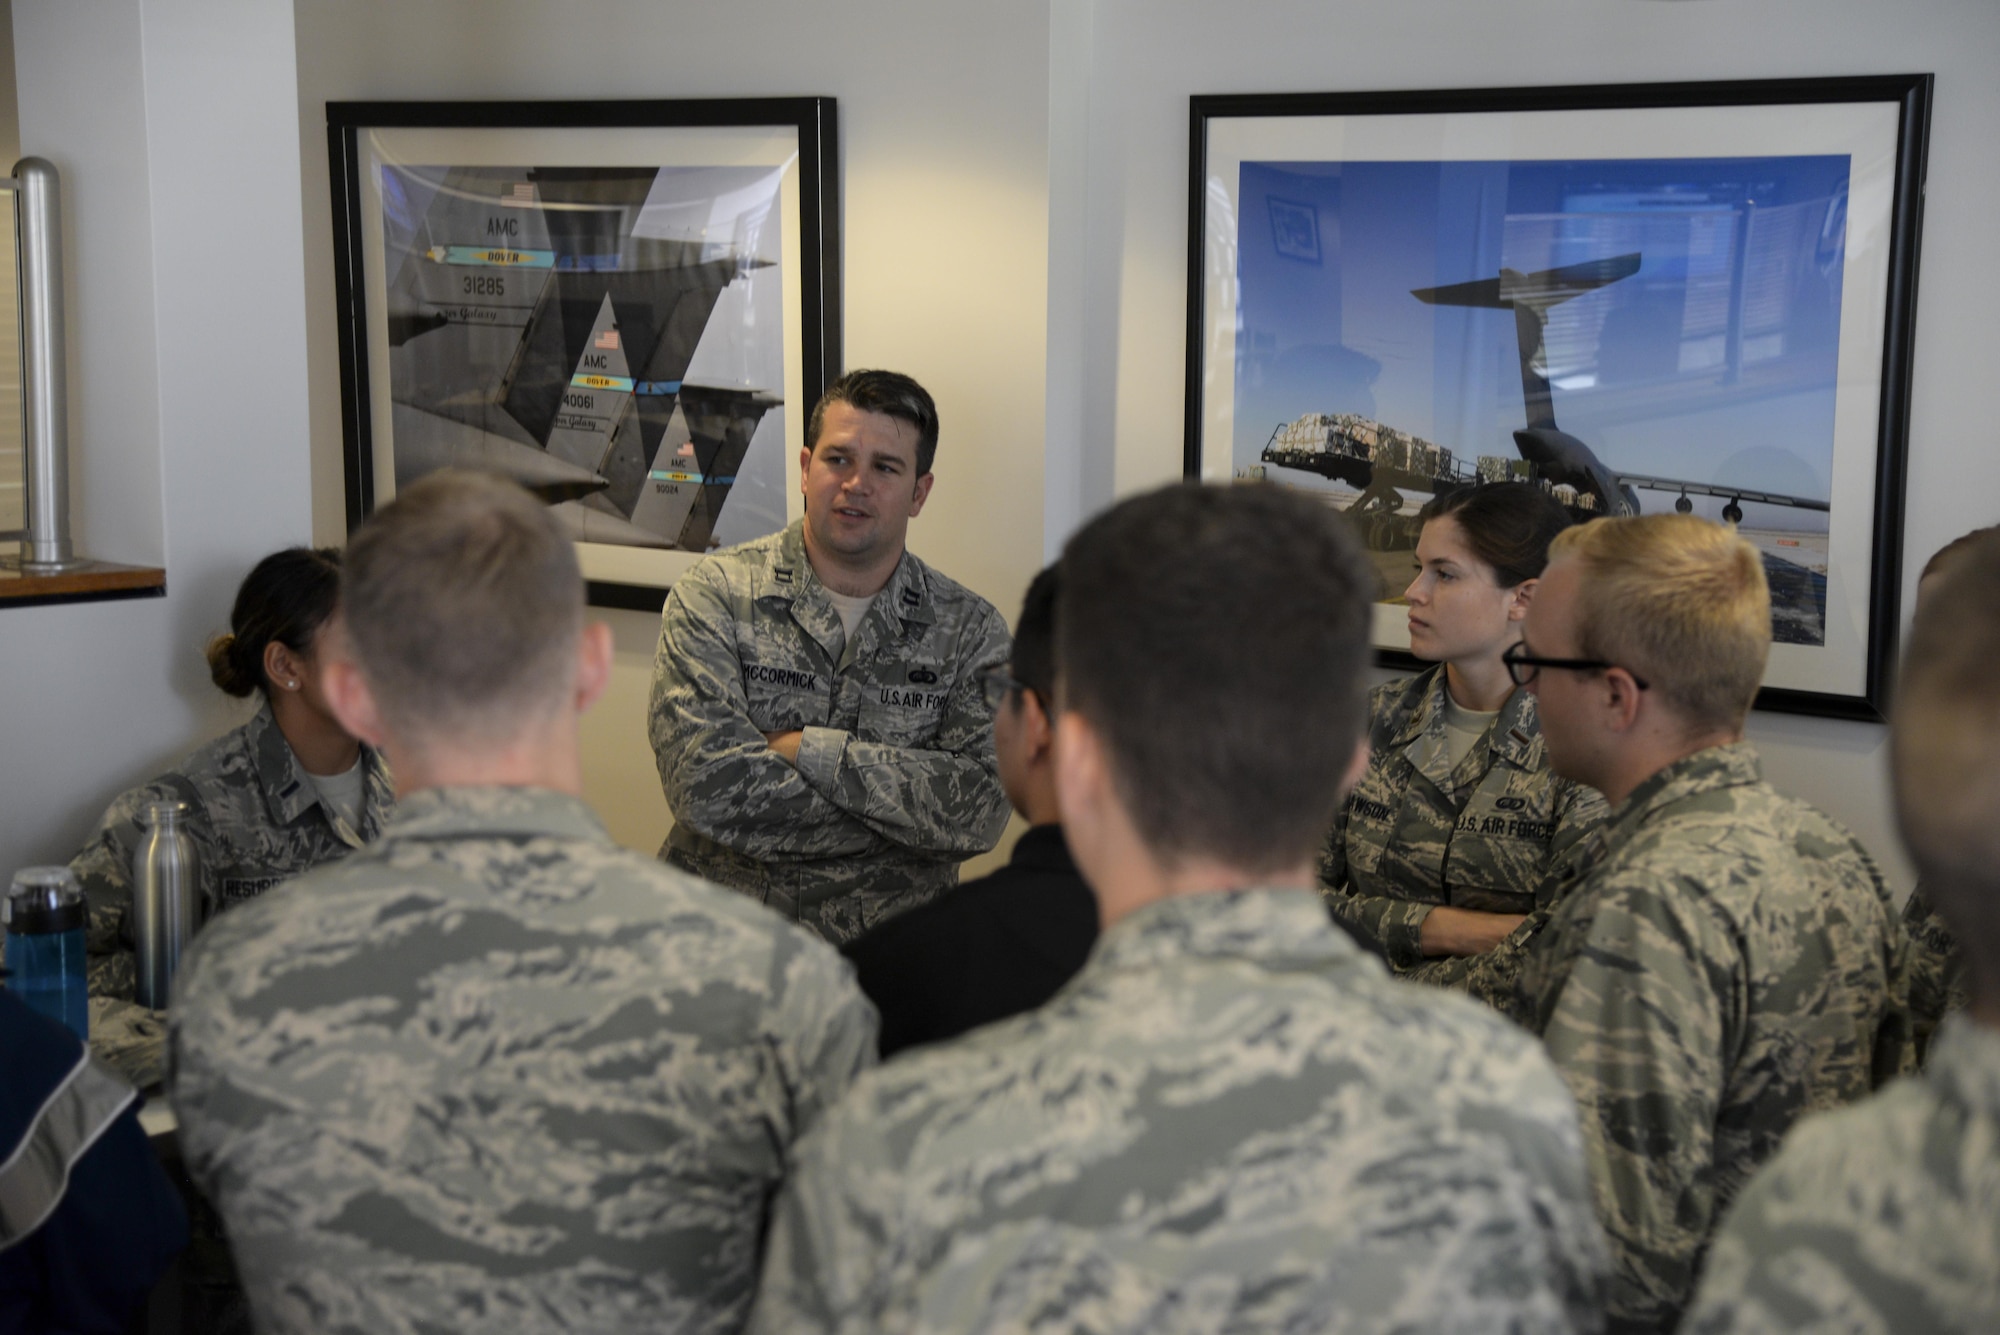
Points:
(1727, 959)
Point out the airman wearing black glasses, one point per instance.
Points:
(1728, 958)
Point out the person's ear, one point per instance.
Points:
(805, 466)
(1037, 730)
(282, 668)
(1522, 594)
(593, 665)
(352, 703)
(1621, 699)
(923, 491)
(1082, 772)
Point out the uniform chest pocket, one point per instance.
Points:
(785, 699)
(902, 715)
(1499, 855)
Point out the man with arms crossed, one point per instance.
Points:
(1727, 959)
(1231, 1119)
(493, 1072)
(1886, 1217)
(816, 708)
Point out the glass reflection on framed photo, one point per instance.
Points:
(1691, 297)
(626, 307)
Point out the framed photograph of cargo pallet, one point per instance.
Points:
(1697, 297)
(627, 307)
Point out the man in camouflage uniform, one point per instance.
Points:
(1231, 1119)
(1729, 959)
(494, 1072)
(1886, 1216)
(816, 712)
(256, 820)
(1489, 834)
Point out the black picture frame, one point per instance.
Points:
(814, 120)
(1899, 106)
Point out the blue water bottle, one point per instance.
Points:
(44, 913)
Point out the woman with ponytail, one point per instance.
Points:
(283, 793)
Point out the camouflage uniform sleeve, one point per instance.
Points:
(721, 776)
(104, 865)
(944, 799)
(824, 1256)
(1580, 812)
(1493, 976)
(821, 1027)
(1641, 1037)
(1936, 973)
(1390, 927)
(1386, 926)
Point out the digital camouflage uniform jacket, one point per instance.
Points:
(1882, 1218)
(1877, 1218)
(1728, 962)
(495, 1073)
(256, 821)
(1230, 1120)
(1937, 972)
(896, 783)
(1487, 835)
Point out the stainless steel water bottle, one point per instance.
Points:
(166, 900)
(45, 915)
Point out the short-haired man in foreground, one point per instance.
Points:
(816, 714)
(1727, 960)
(1231, 1118)
(1886, 1217)
(494, 1072)
(1002, 944)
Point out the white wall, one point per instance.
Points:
(173, 131)
(944, 151)
(1150, 55)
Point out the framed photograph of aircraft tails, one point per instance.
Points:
(627, 307)
(1696, 297)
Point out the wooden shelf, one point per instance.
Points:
(92, 581)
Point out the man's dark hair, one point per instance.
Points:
(1214, 638)
(1034, 661)
(890, 393)
(463, 604)
(1508, 525)
(1944, 745)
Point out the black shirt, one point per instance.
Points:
(984, 950)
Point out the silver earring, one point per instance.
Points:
(291, 686)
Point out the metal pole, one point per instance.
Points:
(44, 391)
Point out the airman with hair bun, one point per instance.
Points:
(283, 793)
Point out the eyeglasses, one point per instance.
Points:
(1523, 666)
(996, 683)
